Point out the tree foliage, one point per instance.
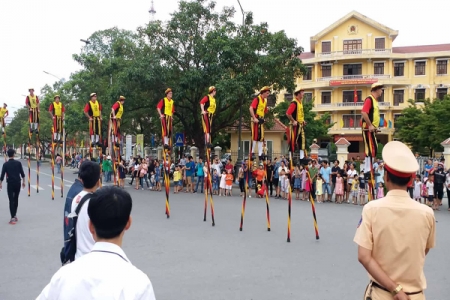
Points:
(424, 127)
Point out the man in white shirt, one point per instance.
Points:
(89, 174)
(105, 272)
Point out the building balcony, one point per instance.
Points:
(356, 78)
(347, 106)
(355, 53)
(356, 130)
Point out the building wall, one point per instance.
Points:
(277, 138)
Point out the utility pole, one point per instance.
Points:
(152, 12)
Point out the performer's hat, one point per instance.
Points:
(93, 94)
(297, 91)
(57, 96)
(376, 86)
(4, 104)
(31, 89)
(211, 89)
(168, 91)
(264, 89)
(399, 160)
(122, 98)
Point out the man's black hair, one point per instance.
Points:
(89, 174)
(337, 161)
(400, 181)
(11, 152)
(109, 210)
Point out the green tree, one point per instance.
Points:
(201, 47)
(316, 127)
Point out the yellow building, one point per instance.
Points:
(356, 51)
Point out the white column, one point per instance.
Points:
(217, 151)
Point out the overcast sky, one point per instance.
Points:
(42, 35)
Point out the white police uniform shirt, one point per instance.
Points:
(85, 241)
(103, 274)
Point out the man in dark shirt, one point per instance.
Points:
(270, 169)
(13, 169)
(334, 171)
(74, 190)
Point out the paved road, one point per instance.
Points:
(188, 259)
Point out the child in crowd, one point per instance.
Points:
(223, 183)
(307, 186)
(282, 177)
(287, 187)
(339, 189)
(319, 187)
(355, 187)
(176, 180)
(229, 183)
(362, 189)
(297, 182)
(215, 182)
(417, 189)
(380, 191)
(157, 177)
(430, 189)
(425, 191)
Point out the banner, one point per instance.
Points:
(140, 145)
(128, 147)
(352, 82)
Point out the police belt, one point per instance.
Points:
(385, 289)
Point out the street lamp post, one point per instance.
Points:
(48, 73)
(240, 158)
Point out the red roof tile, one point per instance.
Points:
(306, 55)
(422, 48)
(342, 141)
(446, 142)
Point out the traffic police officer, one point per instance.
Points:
(395, 233)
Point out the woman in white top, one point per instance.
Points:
(283, 172)
(350, 175)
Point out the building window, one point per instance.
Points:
(326, 71)
(288, 97)
(378, 68)
(272, 100)
(420, 68)
(399, 69)
(308, 74)
(269, 145)
(399, 97)
(441, 93)
(419, 95)
(380, 44)
(396, 116)
(352, 121)
(326, 97)
(326, 47)
(381, 98)
(441, 67)
(307, 97)
(352, 46)
(351, 70)
(349, 96)
(245, 148)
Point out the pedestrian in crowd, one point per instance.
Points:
(107, 273)
(297, 182)
(241, 179)
(339, 188)
(177, 181)
(447, 187)
(275, 178)
(157, 177)
(307, 186)
(58, 162)
(223, 183)
(190, 169)
(355, 189)
(270, 176)
(73, 191)
(13, 170)
(260, 174)
(418, 189)
(121, 172)
(362, 188)
(350, 177)
(215, 181)
(334, 171)
(200, 175)
(313, 172)
(229, 165)
(90, 177)
(287, 187)
(439, 180)
(303, 182)
(282, 174)
(319, 188)
(229, 183)
(395, 258)
(431, 190)
(344, 176)
(325, 171)
(217, 165)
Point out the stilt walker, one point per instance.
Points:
(38, 155)
(114, 134)
(370, 115)
(297, 140)
(165, 109)
(208, 108)
(3, 114)
(93, 110)
(258, 109)
(32, 103)
(57, 110)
